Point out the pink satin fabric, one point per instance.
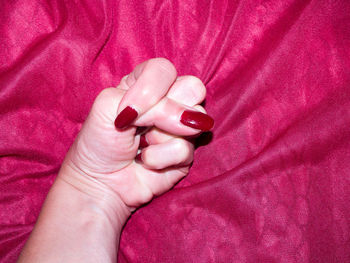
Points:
(271, 183)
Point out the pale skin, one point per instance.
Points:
(100, 184)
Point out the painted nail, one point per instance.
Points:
(125, 118)
(143, 141)
(138, 158)
(197, 120)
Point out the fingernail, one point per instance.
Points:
(138, 158)
(143, 141)
(197, 120)
(125, 118)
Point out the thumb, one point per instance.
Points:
(100, 147)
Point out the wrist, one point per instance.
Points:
(97, 198)
(78, 217)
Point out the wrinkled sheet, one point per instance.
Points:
(269, 184)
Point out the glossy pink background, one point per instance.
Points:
(272, 185)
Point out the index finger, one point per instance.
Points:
(149, 83)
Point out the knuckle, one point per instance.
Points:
(146, 195)
(105, 93)
(200, 90)
(184, 149)
(193, 80)
(108, 96)
(165, 65)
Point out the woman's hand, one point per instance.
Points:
(100, 182)
(103, 155)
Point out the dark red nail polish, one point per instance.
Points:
(143, 141)
(197, 120)
(138, 158)
(125, 118)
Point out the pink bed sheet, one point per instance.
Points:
(270, 184)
